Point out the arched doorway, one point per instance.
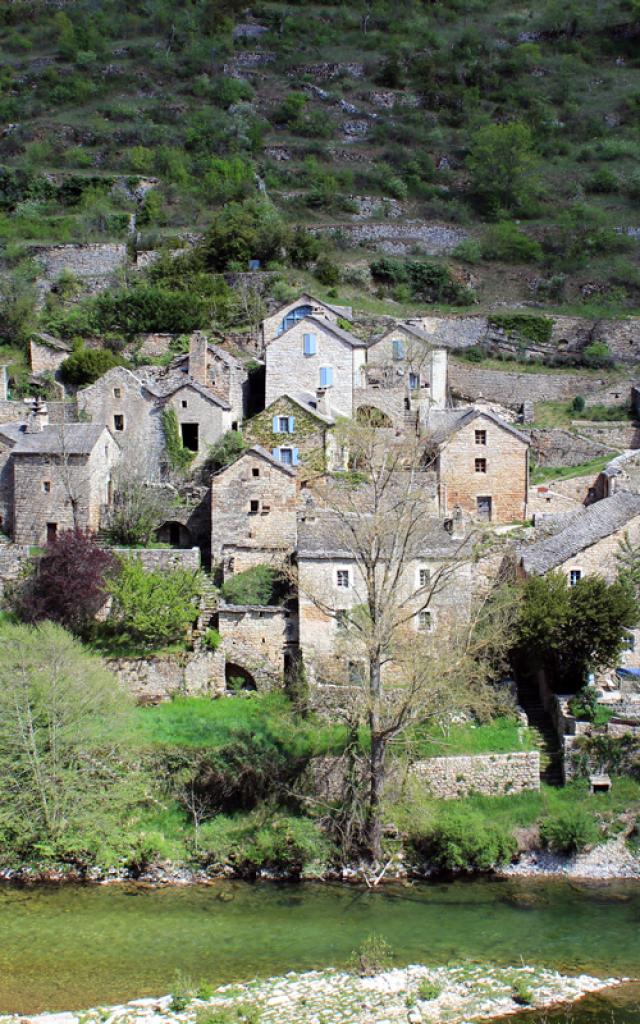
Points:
(237, 678)
(369, 416)
(177, 535)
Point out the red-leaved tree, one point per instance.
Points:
(67, 583)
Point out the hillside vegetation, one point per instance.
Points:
(449, 154)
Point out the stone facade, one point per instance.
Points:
(13, 558)
(599, 559)
(56, 489)
(308, 437)
(289, 370)
(166, 559)
(448, 778)
(277, 322)
(213, 367)
(253, 509)
(485, 459)
(259, 644)
(511, 388)
(46, 354)
(96, 264)
(120, 401)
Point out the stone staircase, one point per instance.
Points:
(208, 606)
(540, 720)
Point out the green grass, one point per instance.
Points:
(546, 474)
(498, 737)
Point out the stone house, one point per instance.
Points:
(253, 512)
(62, 477)
(290, 313)
(314, 353)
(46, 353)
(404, 356)
(587, 542)
(214, 368)
(482, 464)
(259, 644)
(330, 581)
(298, 430)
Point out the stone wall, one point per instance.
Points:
(509, 387)
(390, 401)
(164, 558)
(96, 264)
(59, 412)
(489, 774)
(12, 559)
(557, 446)
(611, 436)
(256, 639)
(155, 679)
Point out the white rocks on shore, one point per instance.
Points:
(606, 861)
(466, 993)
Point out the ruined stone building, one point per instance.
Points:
(482, 464)
(54, 477)
(291, 313)
(253, 512)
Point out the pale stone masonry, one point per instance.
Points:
(259, 643)
(405, 357)
(304, 305)
(482, 464)
(253, 511)
(449, 778)
(314, 354)
(46, 353)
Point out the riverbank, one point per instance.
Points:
(412, 994)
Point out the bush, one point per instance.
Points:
(250, 842)
(526, 326)
(462, 840)
(225, 451)
(88, 364)
(501, 162)
(242, 232)
(569, 831)
(522, 994)
(597, 355)
(428, 990)
(372, 957)
(228, 179)
(152, 608)
(327, 272)
(468, 251)
(603, 181)
(179, 457)
(505, 242)
(578, 404)
(147, 308)
(260, 585)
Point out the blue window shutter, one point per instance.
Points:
(292, 424)
(329, 376)
(309, 341)
(276, 453)
(275, 425)
(326, 376)
(398, 349)
(294, 458)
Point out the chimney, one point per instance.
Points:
(322, 402)
(38, 417)
(455, 525)
(198, 353)
(438, 383)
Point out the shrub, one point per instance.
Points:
(527, 326)
(225, 451)
(303, 248)
(473, 354)
(372, 957)
(462, 840)
(152, 608)
(468, 251)
(501, 162)
(505, 242)
(597, 355)
(242, 232)
(327, 272)
(212, 639)
(603, 181)
(578, 404)
(88, 364)
(569, 831)
(146, 308)
(228, 179)
(259, 585)
(522, 994)
(68, 583)
(428, 990)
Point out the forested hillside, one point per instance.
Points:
(457, 153)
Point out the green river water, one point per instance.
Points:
(71, 946)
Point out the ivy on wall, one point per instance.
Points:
(308, 436)
(525, 326)
(179, 457)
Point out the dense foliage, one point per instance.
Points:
(259, 585)
(88, 364)
(151, 608)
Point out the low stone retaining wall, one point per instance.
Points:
(488, 774)
(164, 558)
(155, 679)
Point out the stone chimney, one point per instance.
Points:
(438, 383)
(457, 523)
(322, 402)
(198, 356)
(38, 417)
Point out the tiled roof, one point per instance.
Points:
(442, 423)
(582, 531)
(166, 385)
(70, 439)
(327, 535)
(309, 403)
(226, 357)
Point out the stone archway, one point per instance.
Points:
(176, 534)
(371, 416)
(237, 677)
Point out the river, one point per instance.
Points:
(74, 946)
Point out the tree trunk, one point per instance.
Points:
(376, 760)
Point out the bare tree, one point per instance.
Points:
(138, 510)
(394, 668)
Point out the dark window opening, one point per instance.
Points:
(481, 465)
(52, 531)
(483, 506)
(117, 393)
(255, 471)
(481, 437)
(46, 486)
(254, 507)
(184, 403)
(118, 422)
(234, 425)
(189, 432)
(174, 535)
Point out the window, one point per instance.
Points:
(342, 579)
(117, 392)
(574, 576)
(189, 433)
(481, 437)
(46, 486)
(424, 577)
(481, 465)
(118, 422)
(293, 317)
(326, 376)
(52, 531)
(309, 345)
(265, 510)
(255, 471)
(425, 622)
(288, 456)
(184, 403)
(254, 508)
(398, 349)
(483, 506)
(414, 381)
(283, 424)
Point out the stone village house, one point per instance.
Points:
(298, 430)
(290, 313)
